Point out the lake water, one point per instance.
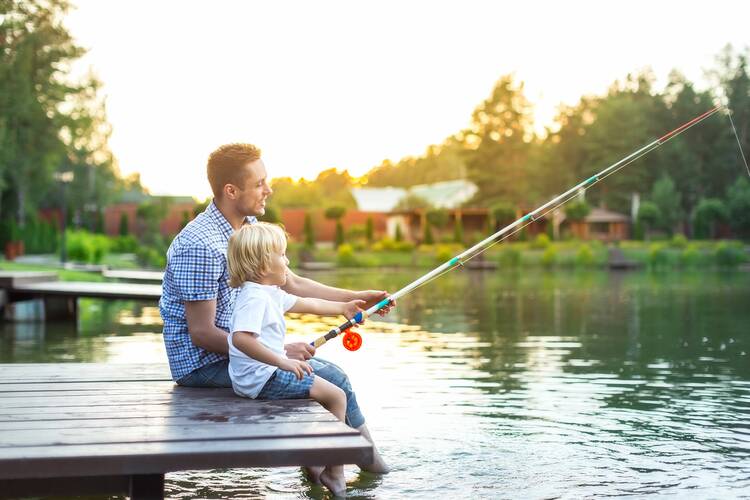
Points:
(497, 385)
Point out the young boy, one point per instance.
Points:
(258, 366)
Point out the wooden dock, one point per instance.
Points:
(78, 429)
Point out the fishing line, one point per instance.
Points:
(739, 144)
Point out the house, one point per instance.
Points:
(600, 224)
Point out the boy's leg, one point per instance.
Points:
(212, 375)
(354, 418)
(334, 400)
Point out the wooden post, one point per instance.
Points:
(147, 487)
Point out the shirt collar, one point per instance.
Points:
(224, 225)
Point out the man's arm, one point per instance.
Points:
(204, 333)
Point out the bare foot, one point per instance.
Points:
(378, 465)
(313, 473)
(333, 478)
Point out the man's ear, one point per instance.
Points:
(230, 191)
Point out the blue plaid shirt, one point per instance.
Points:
(196, 270)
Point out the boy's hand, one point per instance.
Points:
(372, 297)
(299, 368)
(299, 350)
(351, 308)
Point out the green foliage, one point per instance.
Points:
(549, 257)
(510, 256)
(149, 216)
(668, 201)
(690, 256)
(389, 244)
(124, 244)
(437, 217)
(412, 202)
(339, 237)
(584, 256)
(657, 256)
(707, 214)
(399, 237)
(124, 224)
(577, 211)
(86, 247)
(443, 253)
(729, 254)
(38, 236)
(679, 241)
(458, 231)
(541, 242)
(427, 236)
(738, 197)
(309, 231)
(153, 255)
(648, 215)
(335, 212)
(271, 215)
(330, 187)
(370, 230)
(503, 214)
(345, 255)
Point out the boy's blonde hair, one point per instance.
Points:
(251, 249)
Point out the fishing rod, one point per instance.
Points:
(352, 340)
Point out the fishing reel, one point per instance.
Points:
(351, 340)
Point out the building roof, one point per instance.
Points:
(447, 194)
(603, 215)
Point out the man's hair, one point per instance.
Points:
(225, 165)
(251, 249)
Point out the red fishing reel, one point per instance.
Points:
(352, 340)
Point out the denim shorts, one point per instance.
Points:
(285, 385)
(217, 375)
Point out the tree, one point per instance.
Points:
(498, 142)
(437, 217)
(458, 230)
(708, 213)
(370, 230)
(124, 224)
(336, 213)
(738, 197)
(667, 201)
(309, 231)
(502, 214)
(648, 215)
(271, 215)
(577, 211)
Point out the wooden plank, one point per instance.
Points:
(10, 279)
(123, 274)
(125, 291)
(49, 373)
(147, 410)
(296, 416)
(53, 487)
(171, 434)
(149, 458)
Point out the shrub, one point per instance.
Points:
(690, 256)
(729, 254)
(309, 231)
(510, 256)
(124, 244)
(124, 224)
(584, 256)
(549, 257)
(82, 246)
(679, 241)
(443, 253)
(657, 255)
(427, 237)
(370, 230)
(541, 242)
(708, 213)
(577, 211)
(345, 255)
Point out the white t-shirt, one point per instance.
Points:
(258, 309)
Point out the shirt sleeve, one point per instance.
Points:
(248, 315)
(197, 272)
(287, 300)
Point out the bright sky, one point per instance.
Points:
(347, 84)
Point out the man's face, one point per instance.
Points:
(251, 197)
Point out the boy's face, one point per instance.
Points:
(276, 273)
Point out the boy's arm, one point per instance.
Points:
(324, 307)
(248, 344)
(305, 287)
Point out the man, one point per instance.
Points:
(196, 303)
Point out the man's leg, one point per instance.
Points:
(212, 375)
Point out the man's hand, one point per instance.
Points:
(351, 308)
(372, 297)
(299, 368)
(299, 350)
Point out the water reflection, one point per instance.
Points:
(490, 384)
